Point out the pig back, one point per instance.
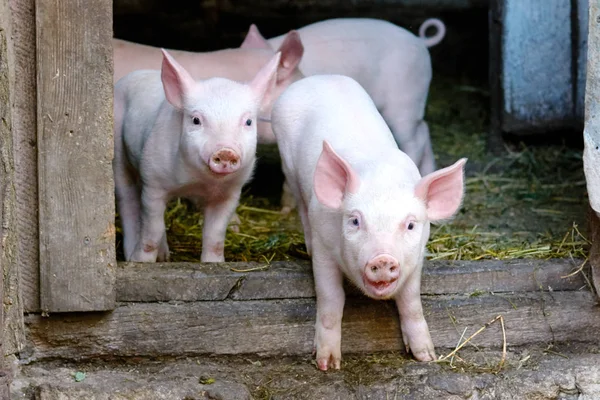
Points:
(376, 53)
(333, 108)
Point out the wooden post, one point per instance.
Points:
(11, 310)
(75, 151)
(591, 138)
(24, 124)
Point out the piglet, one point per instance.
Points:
(365, 208)
(177, 137)
(391, 63)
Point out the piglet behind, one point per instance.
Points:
(177, 137)
(365, 208)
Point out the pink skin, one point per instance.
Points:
(365, 209)
(178, 137)
(442, 192)
(389, 62)
(236, 64)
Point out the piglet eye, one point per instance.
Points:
(196, 121)
(355, 222)
(410, 226)
(248, 122)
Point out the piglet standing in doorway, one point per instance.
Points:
(365, 208)
(177, 137)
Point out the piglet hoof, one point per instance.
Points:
(234, 223)
(329, 362)
(425, 355)
(286, 210)
(142, 256)
(163, 256)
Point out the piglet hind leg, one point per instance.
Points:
(152, 226)
(413, 138)
(415, 332)
(216, 218)
(330, 308)
(163, 250)
(288, 202)
(128, 207)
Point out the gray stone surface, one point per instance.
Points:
(540, 373)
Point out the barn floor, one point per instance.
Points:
(528, 203)
(535, 372)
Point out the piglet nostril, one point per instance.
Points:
(217, 160)
(374, 269)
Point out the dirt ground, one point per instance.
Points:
(540, 373)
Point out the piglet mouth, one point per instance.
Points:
(380, 289)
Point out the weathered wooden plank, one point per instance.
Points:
(536, 49)
(11, 316)
(286, 280)
(25, 148)
(75, 151)
(281, 327)
(175, 281)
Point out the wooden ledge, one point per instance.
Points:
(286, 327)
(163, 282)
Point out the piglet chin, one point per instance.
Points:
(218, 172)
(379, 290)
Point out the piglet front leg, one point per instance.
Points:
(216, 218)
(152, 228)
(415, 331)
(330, 308)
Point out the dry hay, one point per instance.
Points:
(529, 203)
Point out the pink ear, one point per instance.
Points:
(177, 82)
(442, 191)
(333, 178)
(291, 53)
(254, 40)
(264, 81)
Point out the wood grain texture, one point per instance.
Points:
(11, 313)
(75, 151)
(287, 280)
(24, 124)
(282, 327)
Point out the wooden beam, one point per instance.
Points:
(25, 148)
(75, 151)
(12, 337)
(286, 327)
(285, 280)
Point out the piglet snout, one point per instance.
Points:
(224, 161)
(382, 270)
